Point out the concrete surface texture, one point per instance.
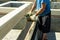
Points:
(55, 26)
(12, 34)
(55, 5)
(27, 0)
(54, 36)
(5, 0)
(8, 21)
(51, 35)
(4, 11)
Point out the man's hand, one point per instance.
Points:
(34, 17)
(36, 14)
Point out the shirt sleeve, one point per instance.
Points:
(44, 1)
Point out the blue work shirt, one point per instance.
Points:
(39, 4)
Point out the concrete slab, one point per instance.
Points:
(54, 36)
(12, 35)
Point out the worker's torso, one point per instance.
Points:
(39, 4)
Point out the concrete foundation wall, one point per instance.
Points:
(55, 20)
(58, 0)
(55, 5)
(5, 0)
(16, 0)
(5, 10)
(12, 18)
(55, 0)
(26, 0)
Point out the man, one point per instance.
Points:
(43, 10)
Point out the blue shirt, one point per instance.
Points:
(39, 4)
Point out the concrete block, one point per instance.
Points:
(8, 21)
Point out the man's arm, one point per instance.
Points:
(41, 9)
(33, 7)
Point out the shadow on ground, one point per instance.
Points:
(51, 36)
